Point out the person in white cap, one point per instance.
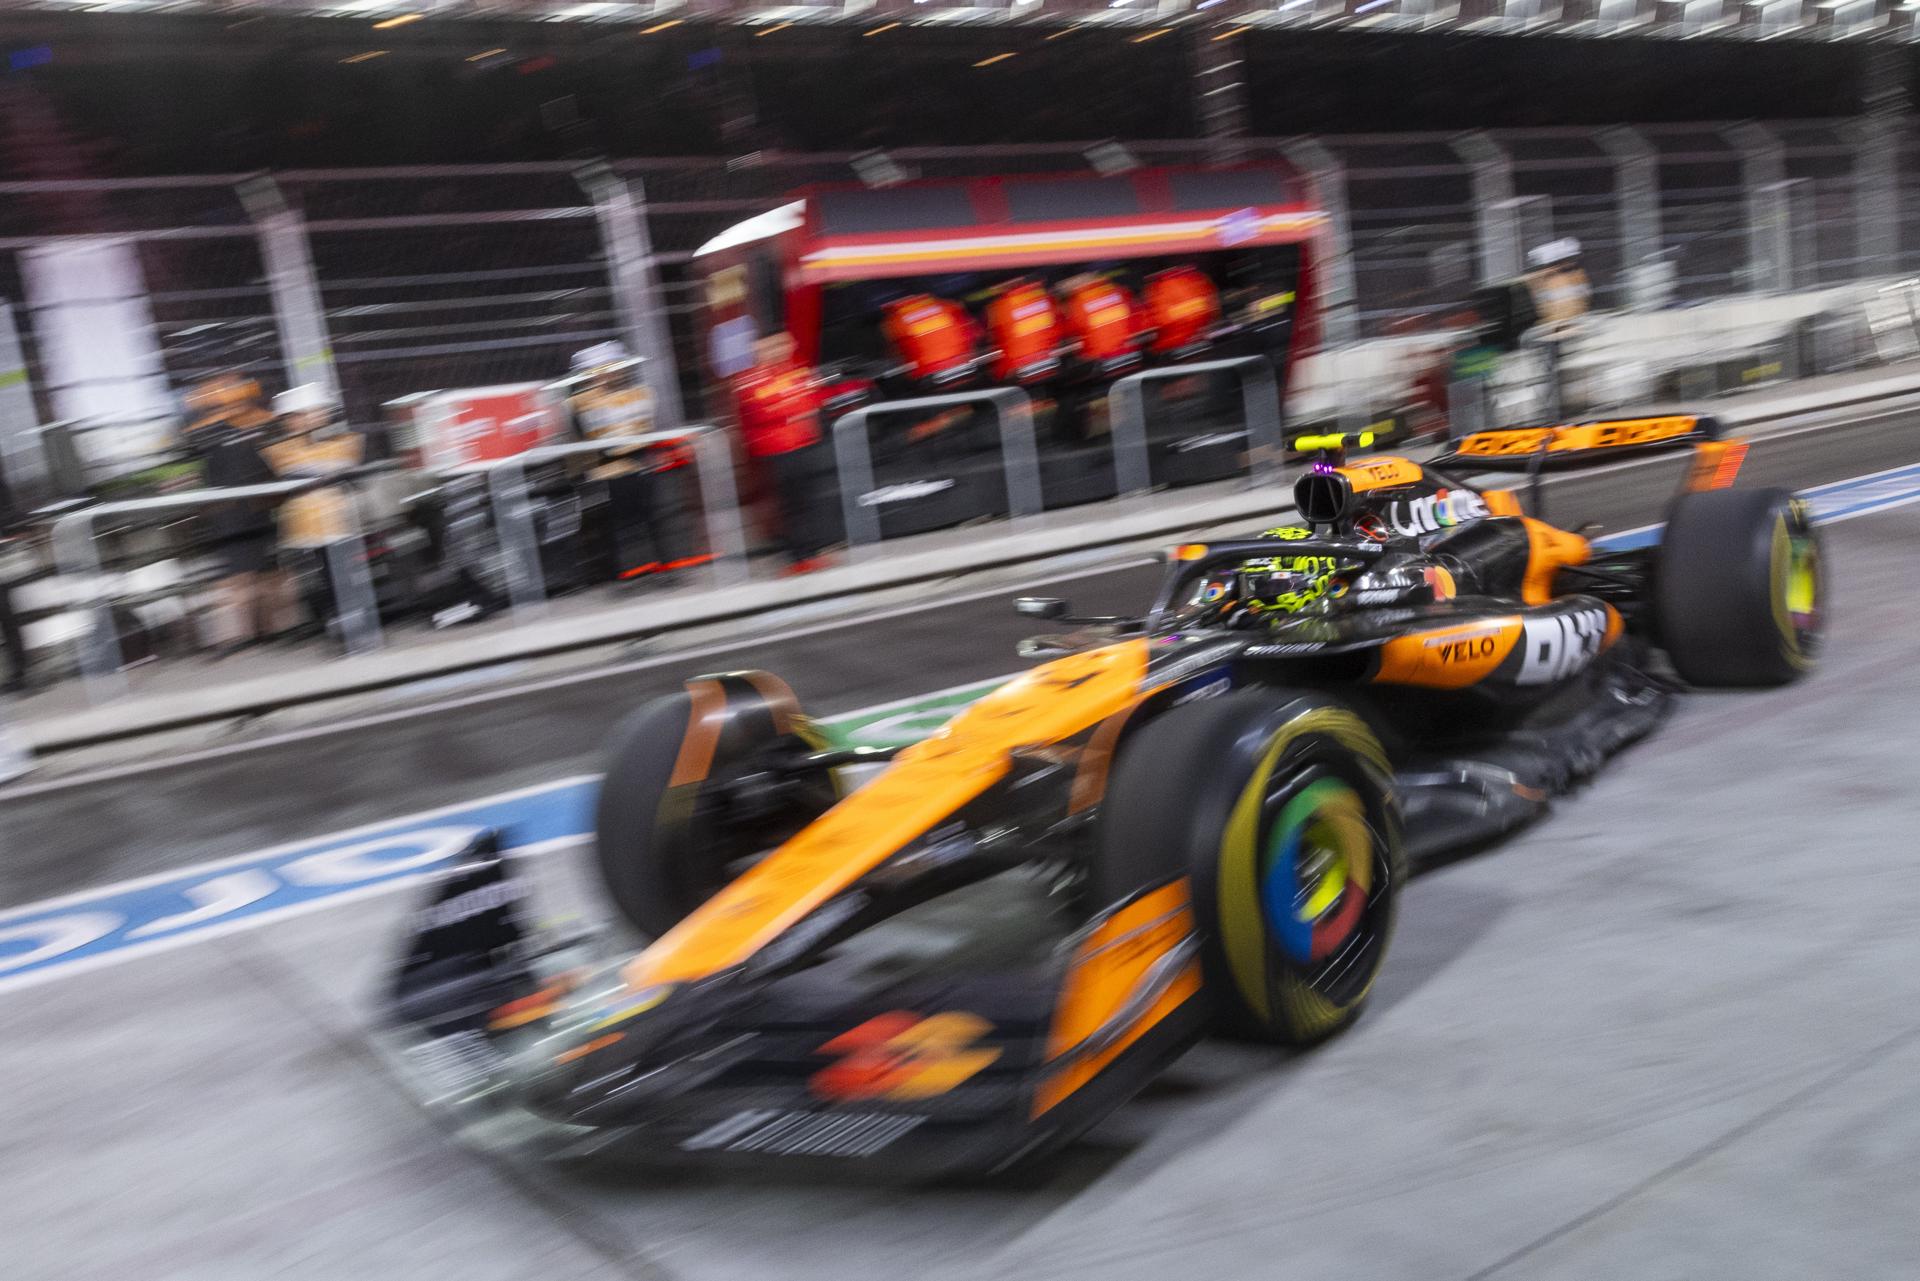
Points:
(646, 486)
(1561, 291)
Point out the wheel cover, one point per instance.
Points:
(1317, 870)
(1796, 586)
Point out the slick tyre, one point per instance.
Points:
(1739, 589)
(695, 791)
(1279, 808)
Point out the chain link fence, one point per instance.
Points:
(464, 276)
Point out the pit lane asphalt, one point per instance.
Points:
(1673, 1031)
(60, 835)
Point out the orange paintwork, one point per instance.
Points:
(1501, 502)
(1384, 472)
(1106, 967)
(1716, 464)
(579, 1052)
(1090, 771)
(1618, 434)
(1548, 550)
(1449, 657)
(925, 784)
(706, 714)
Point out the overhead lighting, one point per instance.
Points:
(883, 27)
(1228, 35)
(658, 27)
(484, 54)
(399, 20)
(1151, 35)
(368, 56)
(778, 26)
(998, 57)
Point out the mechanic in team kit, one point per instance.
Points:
(778, 401)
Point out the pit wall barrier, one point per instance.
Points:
(87, 587)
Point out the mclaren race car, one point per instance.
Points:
(963, 953)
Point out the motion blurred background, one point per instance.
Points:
(394, 394)
(420, 217)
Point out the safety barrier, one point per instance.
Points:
(506, 480)
(853, 455)
(77, 554)
(15, 760)
(1260, 393)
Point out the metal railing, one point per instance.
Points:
(506, 480)
(1260, 395)
(853, 454)
(76, 553)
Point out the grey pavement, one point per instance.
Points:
(1670, 1032)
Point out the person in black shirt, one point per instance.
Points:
(229, 433)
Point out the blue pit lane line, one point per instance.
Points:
(92, 928)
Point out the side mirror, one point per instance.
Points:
(1040, 607)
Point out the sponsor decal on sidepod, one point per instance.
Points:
(1559, 647)
(1443, 510)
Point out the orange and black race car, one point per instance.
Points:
(966, 952)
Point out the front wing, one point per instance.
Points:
(936, 1071)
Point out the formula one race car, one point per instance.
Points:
(1197, 819)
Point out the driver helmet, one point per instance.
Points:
(1277, 584)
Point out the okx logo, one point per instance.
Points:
(1558, 647)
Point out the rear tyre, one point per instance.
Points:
(1279, 807)
(1739, 592)
(695, 792)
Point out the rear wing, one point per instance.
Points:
(1526, 449)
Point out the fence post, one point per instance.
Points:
(1497, 228)
(75, 554)
(1876, 195)
(21, 460)
(519, 536)
(1339, 291)
(1220, 92)
(1636, 194)
(620, 210)
(306, 352)
(1763, 178)
(15, 759)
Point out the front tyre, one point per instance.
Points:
(699, 785)
(1279, 806)
(1739, 589)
